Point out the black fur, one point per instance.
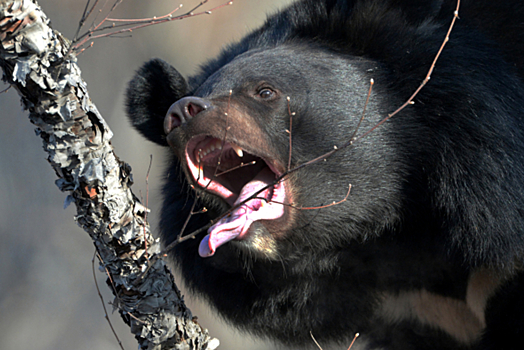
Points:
(156, 86)
(435, 214)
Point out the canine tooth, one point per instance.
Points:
(237, 150)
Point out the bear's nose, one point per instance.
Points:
(183, 110)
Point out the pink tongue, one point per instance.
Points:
(236, 224)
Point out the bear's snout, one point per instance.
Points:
(183, 110)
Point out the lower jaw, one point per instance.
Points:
(260, 242)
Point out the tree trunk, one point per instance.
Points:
(37, 61)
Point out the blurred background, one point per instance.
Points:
(48, 298)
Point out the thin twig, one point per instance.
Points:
(426, 79)
(135, 24)
(106, 315)
(181, 233)
(93, 24)
(147, 205)
(81, 23)
(312, 208)
(290, 132)
(371, 83)
(350, 345)
(312, 337)
(242, 165)
(202, 3)
(224, 138)
(353, 342)
(115, 292)
(350, 141)
(86, 15)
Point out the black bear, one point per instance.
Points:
(426, 251)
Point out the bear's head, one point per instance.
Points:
(254, 139)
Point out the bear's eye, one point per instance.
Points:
(266, 93)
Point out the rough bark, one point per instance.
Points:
(36, 60)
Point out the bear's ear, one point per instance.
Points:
(155, 87)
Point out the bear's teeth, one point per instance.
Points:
(209, 148)
(237, 150)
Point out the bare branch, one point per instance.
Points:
(317, 207)
(353, 342)
(371, 83)
(129, 25)
(313, 337)
(290, 132)
(426, 79)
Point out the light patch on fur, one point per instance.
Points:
(462, 319)
(264, 244)
(481, 286)
(450, 315)
(361, 343)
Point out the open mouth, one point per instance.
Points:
(228, 171)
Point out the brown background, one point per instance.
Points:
(48, 298)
